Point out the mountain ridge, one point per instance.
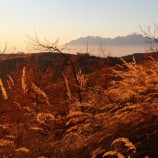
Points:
(131, 39)
(118, 46)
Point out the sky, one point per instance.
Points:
(70, 19)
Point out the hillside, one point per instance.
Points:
(88, 107)
(89, 63)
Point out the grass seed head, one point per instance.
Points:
(4, 92)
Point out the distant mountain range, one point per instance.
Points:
(119, 46)
(132, 39)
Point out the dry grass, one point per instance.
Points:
(137, 83)
(118, 121)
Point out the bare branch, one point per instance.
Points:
(151, 32)
(52, 47)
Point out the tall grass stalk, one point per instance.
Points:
(23, 80)
(67, 87)
(4, 93)
(40, 92)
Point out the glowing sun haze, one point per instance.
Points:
(71, 19)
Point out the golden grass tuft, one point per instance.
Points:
(45, 118)
(99, 152)
(4, 92)
(82, 80)
(11, 80)
(135, 82)
(123, 145)
(40, 92)
(67, 86)
(5, 143)
(36, 128)
(113, 154)
(23, 80)
(22, 150)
